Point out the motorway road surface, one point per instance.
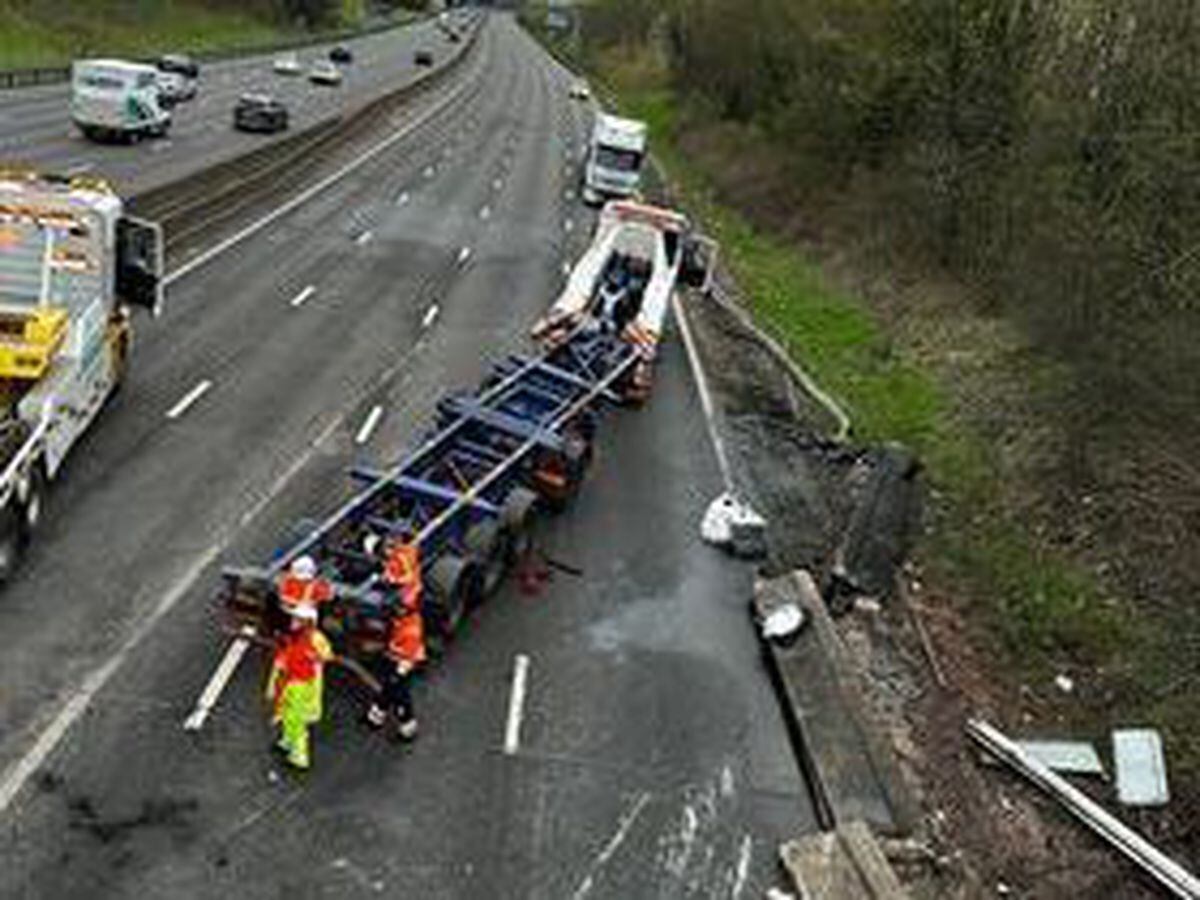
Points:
(35, 126)
(652, 760)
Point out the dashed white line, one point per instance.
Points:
(485, 213)
(368, 425)
(569, 225)
(516, 704)
(365, 238)
(301, 298)
(463, 255)
(429, 171)
(497, 184)
(430, 315)
(220, 678)
(188, 399)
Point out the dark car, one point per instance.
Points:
(258, 112)
(179, 64)
(423, 58)
(341, 55)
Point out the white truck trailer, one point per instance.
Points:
(615, 153)
(625, 279)
(71, 266)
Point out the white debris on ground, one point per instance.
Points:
(734, 525)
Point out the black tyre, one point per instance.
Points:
(454, 586)
(487, 543)
(33, 507)
(11, 547)
(518, 516)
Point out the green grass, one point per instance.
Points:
(53, 32)
(1044, 608)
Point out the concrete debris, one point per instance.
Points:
(1064, 683)
(1166, 871)
(783, 623)
(1075, 757)
(867, 605)
(846, 864)
(1141, 767)
(733, 524)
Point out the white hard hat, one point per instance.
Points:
(306, 612)
(304, 567)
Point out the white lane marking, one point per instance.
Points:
(430, 315)
(566, 268)
(610, 848)
(516, 704)
(16, 775)
(497, 184)
(485, 213)
(402, 199)
(363, 239)
(706, 403)
(78, 168)
(306, 195)
(220, 678)
(569, 225)
(569, 194)
(743, 868)
(368, 425)
(463, 255)
(301, 298)
(430, 171)
(188, 399)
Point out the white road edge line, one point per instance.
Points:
(304, 196)
(220, 678)
(188, 399)
(301, 298)
(706, 402)
(16, 775)
(516, 704)
(431, 315)
(368, 425)
(610, 848)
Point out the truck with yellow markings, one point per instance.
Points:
(72, 264)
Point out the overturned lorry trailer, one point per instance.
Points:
(495, 457)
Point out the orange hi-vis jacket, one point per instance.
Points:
(296, 592)
(402, 568)
(406, 641)
(300, 658)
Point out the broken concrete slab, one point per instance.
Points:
(845, 864)
(1072, 757)
(849, 764)
(1141, 767)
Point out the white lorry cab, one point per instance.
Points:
(117, 100)
(624, 282)
(72, 264)
(613, 167)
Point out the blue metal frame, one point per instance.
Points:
(484, 444)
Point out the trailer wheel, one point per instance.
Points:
(454, 587)
(10, 544)
(517, 517)
(558, 475)
(487, 543)
(34, 505)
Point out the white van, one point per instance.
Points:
(118, 100)
(613, 167)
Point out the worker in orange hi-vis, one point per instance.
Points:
(303, 586)
(405, 650)
(296, 684)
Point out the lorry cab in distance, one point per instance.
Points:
(613, 167)
(117, 100)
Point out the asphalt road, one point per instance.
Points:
(35, 126)
(653, 761)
